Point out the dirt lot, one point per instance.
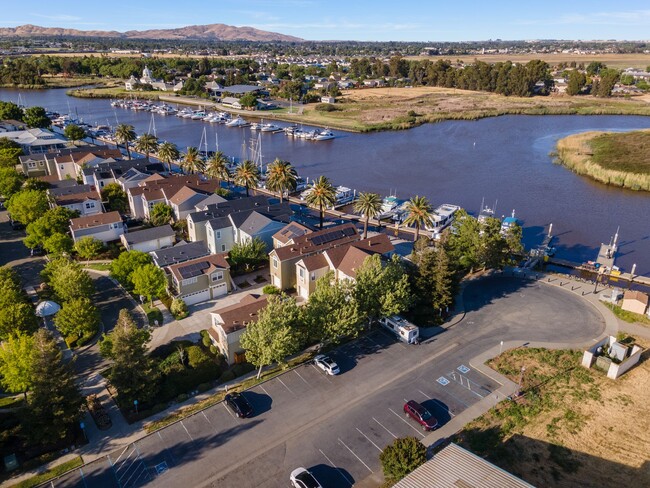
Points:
(573, 427)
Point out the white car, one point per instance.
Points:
(326, 364)
(301, 478)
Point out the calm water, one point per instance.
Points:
(504, 158)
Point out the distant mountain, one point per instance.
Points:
(211, 32)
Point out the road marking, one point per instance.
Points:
(83, 478)
(355, 455)
(228, 410)
(264, 390)
(443, 381)
(448, 392)
(280, 380)
(438, 402)
(406, 422)
(321, 374)
(173, 460)
(463, 369)
(348, 480)
(394, 436)
(121, 454)
(303, 379)
(206, 417)
(369, 440)
(188, 432)
(462, 380)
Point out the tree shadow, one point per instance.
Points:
(332, 476)
(487, 290)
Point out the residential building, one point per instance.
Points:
(44, 163)
(202, 279)
(179, 253)
(635, 301)
(229, 323)
(106, 227)
(127, 173)
(210, 200)
(184, 201)
(82, 198)
(148, 240)
(288, 233)
(34, 141)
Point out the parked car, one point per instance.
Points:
(327, 364)
(301, 478)
(239, 405)
(420, 414)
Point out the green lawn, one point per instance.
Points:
(628, 151)
(50, 474)
(153, 314)
(99, 266)
(630, 317)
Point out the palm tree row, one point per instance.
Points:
(281, 177)
(146, 143)
(321, 194)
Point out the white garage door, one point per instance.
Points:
(199, 296)
(219, 290)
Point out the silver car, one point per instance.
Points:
(327, 364)
(301, 478)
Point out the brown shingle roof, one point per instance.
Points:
(291, 231)
(314, 262)
(182, 195)
(379, 244)
(239, 315)
(95, 220)
(216, 261)
(352, 260)
(309, 243)
(76, 198)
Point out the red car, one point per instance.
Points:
(420, 414)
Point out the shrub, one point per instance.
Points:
(401, 457)
(214, 350)
(206, 341)
(71, 341)
(271, 290)
(196, 357)
(167, 349)
(179, 308)
(242, 369)
(158, 407)
(182, 397)
(326, 107)
(227, 376)
(204, 387)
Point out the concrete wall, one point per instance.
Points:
(616, 370)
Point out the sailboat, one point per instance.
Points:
(152, 126)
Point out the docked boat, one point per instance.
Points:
(388, 206)
(486, 212)
(238, 122)
(322, 135)
(509, 222)
(344, 195)
(270, 128)
(301, 184)
(255, 126)
(184, 113)
(290, 131)
(198, 115)
(441, 218)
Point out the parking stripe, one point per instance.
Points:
(303, 379)
(394, 436)
(188, 432)
(206, 417)
(439, 403)
(228, 410)
(348, 480)
(355, 455)
(321, 374)
(83, 478)
(407, 423)
(172, 459)
(267, 393)
(283, 384)
(369, 440)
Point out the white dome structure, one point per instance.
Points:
(47, 308)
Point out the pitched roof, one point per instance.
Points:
(70, 190)
(204, 265)
(91, 221)
(455, 467)
(239, 315)
(185, 193)
(181, 252)
(636, 295)
(314, 262)
(352, 260)
(76, 198)
(379, 244)
(210, 200)
(149, 234)
(318, 241)
(227, 207)
(291, 231)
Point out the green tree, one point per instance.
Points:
(124, 134)
(58, 243)
(149, 281)
(10, 111)
(249, 100)
(594, 68)
(167, 153)
(192, 161)
(54, 405)
(74, 133)
(70, 281)
(401, 457)
(418, 214)
(115, 197)
(217, 167)
(281, 177)
(247, 175)
(368, 205)
(179, 309)
(9, 157)
(577, 81)
(16, 312)
(55, 220)
(88, 247)
(275, 334)
(146, 143)
(382, 290)
(160, 214)
(28, 205)
(435, 281)
(77, 317)
(248, 255)
(608, 78)
(16, 363)
(132, 373)
(322, 195)
(464, 244)
(332, 311)
(35, 117)
(127, 262)
(10, 182)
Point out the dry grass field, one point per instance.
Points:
(573, 427)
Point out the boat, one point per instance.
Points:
(290, 131)
(301, 184)
(184, 113)
(238, 122)
(508, 223)
(198, 115)
(270, 128)
(256, 126)
(323, 135)
(388, 206)
(441, 218)
(486, 212)
(344, 195)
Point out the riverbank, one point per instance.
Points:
(619, 159)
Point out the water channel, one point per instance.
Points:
(505, 159)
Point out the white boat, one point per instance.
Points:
(323, 135)
(301, 184)
(509, 222)
(307, 134)
(238, 122)
(198, 115)
(291, 130)
(270, 128)
(184, 113)
(441, 218)
(486, 212)
(344, 195)
(388, 206)
(256, 126)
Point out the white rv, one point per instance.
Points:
(405, 330)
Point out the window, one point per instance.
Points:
(301, 272)
(223, 248)
(31, 164)
(313, 276)
(218, 276)
(275, 262)
(189, 281)
(218, 234)
(90, 205)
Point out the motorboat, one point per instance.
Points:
(388, 206)
(198, 115)
(323, 135)
(270, 128)
(238, 122)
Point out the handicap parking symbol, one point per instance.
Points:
(443, 381)
(161, 468)
(463, 369)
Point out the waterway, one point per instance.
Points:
(505, 159)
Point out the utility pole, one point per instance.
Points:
(629, 283)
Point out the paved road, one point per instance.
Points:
(14, 253)
(336, 426)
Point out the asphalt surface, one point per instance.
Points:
(337, 426)
(14, 253)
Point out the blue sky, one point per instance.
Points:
(378, 20)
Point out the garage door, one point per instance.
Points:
(199, 296)
(219, 290)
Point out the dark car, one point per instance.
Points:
(239, 405)
(420, 414)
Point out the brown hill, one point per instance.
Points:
(213, 32)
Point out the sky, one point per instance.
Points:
(364, 20)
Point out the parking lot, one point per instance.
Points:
(336, 426)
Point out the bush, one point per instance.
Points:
(326, 107)
(165, 350)
(182, 397)
(271, 290)
(204, 387)
(196, 357)
(226, 376)
(71, 341)
(401, 457)
(158, 407)
(179, 309)
(214, 350)
(242, 369)
(207, 342)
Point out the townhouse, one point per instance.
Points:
(201, 279)
(106, 227)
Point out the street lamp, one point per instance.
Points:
(629, 283)
(521, 380)
(135, 403)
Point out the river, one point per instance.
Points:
(505, 159)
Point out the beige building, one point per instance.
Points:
(229, 323)
(635, 301)
(201, 279)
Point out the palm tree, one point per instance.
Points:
(369, 205)
(123, 135)
(218, 167)
(281, 177)
(168, 152)
(418, 213)
(322, 194)
(192, 161)
(247, 175)
(146, 143)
